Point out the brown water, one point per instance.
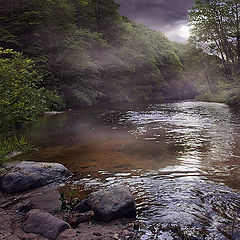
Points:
(181, 160)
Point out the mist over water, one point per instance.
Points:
(181, 160)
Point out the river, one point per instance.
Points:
(181, 161)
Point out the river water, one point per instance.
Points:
(181, 161)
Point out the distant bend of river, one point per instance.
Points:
(181, 160)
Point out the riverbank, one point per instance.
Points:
(41, 213)
(213, 97)
(230, 97)
(180, 161)
(30, 197)
(11, 229)
(24, 214)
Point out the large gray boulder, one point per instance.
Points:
(43, 223)
(109, 204)
(28, 175)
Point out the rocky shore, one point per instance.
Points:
(29, 198)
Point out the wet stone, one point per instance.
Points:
(28, 175)
(112, 203)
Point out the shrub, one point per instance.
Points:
(54, 101)
(21, 99)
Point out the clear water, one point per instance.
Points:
(181, 160)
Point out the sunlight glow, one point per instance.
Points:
(184, 32)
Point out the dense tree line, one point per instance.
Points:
(82, 53)
(58, 54)
(215, 27)
(87, 53)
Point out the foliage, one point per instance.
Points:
(87, 53)
(68, 200)
(213, 97)
(54, 101)
(203, 70)
(216, 28)
(21, 99)
(233, 97)
(10, 146)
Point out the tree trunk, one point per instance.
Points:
(220, 51)
(238, 34)
(99, 15)
(206, 75)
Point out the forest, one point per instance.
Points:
(65, 54)
(62, 54)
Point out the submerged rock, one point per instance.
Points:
(28, 175)
(109, 204)
(43, 223)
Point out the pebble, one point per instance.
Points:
(115, 236)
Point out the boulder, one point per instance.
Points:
(28, 175)
(82, 207)
(112, 203)
(43, 223)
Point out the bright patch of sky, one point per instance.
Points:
(167, 16)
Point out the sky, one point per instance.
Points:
(168, 16)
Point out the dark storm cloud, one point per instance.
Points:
(167, 16)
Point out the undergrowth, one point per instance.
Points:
(11, 146)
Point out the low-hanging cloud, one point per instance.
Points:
(164, 15)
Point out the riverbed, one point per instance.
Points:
(181, 160)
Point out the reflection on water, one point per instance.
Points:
(175, 157)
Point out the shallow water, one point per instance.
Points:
(181, 160)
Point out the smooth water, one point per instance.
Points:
(181, 160)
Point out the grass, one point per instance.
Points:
(13, 145)
(220, 97)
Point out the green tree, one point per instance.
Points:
(102, 17)
(85, 51)
(203, 70)
(21, 100)
(215, 27)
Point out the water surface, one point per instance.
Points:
(181, 160)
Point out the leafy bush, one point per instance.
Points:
(21, 99)
(213, 97)
(54, 101)
(233, 97)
